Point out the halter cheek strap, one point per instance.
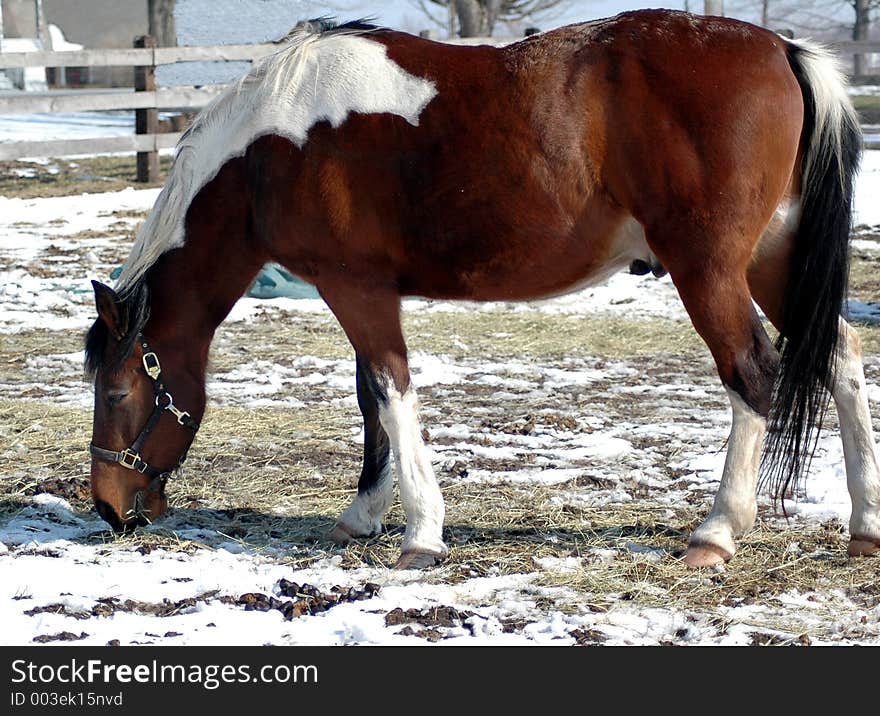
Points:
(130, 458)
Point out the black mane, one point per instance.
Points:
(134, 311)
(327, 25)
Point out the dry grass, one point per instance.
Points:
(40, 440)
(457, 335)
(275, 480)
(463, 336)
(864, 275)
(549, 336)
(74, 176)
(771, 560)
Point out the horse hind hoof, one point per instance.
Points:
(705, 555)
(861, 547)
(418, 560)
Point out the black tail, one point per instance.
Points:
(831, 147)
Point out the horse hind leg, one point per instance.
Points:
(715, 293)
(371, 320)
(850, 394)
(747, 363)
(768, 275)
(735, 507)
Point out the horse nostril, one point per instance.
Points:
(108, 514)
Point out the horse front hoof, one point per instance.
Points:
(861, 547)
(341, 534)
(705, 555)
(418, 560)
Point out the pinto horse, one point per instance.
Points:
(375, 165)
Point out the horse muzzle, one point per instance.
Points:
(145, 507)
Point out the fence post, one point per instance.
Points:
(40, 22)
(146, 121)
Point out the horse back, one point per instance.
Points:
(532, 167)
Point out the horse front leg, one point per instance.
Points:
(371, 320)
(422, 502)
(363, 517)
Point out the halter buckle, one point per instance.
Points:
(128, 458)
(151, 365)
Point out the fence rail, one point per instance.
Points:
(145, 143)
(103, 101)
(146, 99)
(136, 57)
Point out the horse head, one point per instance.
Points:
(139, 434)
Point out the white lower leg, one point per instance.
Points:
(419, 492)
(735, 505)
(859, 451)
(363, 517)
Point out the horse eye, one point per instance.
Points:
(113, 399)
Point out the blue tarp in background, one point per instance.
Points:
(273, 281)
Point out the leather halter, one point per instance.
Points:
(130, 458)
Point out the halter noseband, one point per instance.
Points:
(130, 458)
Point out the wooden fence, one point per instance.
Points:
(146, 98)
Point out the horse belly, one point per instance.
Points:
(627, 245)
(535, 269)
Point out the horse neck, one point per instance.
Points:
(193, 288)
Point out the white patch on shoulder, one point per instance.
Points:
(314, 78)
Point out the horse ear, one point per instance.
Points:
(111, 310)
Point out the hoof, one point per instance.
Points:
(705, 555)
(418, 560)
(341, 534)
(861, 547)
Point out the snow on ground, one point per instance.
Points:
(72, 125)
(867, 208)
(36, 233)
(603, 433)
